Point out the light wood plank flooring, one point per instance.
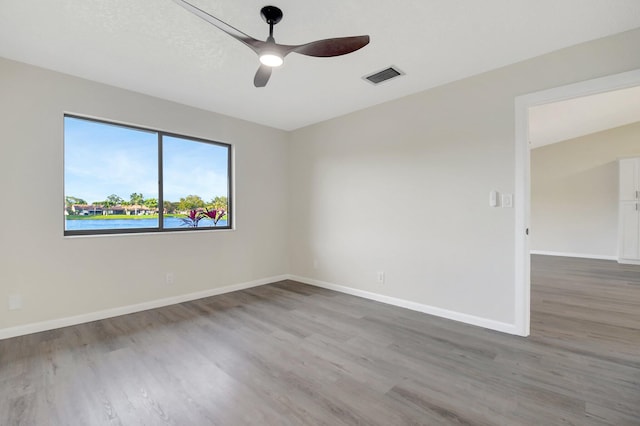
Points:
(291, 354)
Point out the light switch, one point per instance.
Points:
(493, 199)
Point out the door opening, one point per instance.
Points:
(522, 202)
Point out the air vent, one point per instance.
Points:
(384, 75)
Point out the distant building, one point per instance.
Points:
(116, 210)
(97, 209)
(87, 209)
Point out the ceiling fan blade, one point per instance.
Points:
(232, 31)
(332, 46)
(262, 76)
(272, 15)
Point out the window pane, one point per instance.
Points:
(195, 183)
(110, 176)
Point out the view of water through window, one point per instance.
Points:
(112, 179)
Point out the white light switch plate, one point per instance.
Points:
(493, 199)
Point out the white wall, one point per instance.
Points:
(61, 277)
(403, 187)
(574, 192)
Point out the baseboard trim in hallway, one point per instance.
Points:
(578, 255)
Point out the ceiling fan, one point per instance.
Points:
(272, 54)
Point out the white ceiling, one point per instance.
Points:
(561, 121)
(158, 48)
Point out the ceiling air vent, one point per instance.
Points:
(384, 75)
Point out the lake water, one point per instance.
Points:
(169, 222)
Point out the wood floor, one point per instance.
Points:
(291, 354)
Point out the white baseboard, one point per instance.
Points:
(628, 261)
(582, 255)
(130, 309)
(21, 330)
(427, 309)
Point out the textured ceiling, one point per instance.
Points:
(157, 48)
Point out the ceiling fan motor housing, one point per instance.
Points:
(271, 14)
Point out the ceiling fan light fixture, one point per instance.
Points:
(271, 59)
(271, 53)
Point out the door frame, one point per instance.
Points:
(522, 190)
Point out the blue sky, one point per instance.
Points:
(102, 159)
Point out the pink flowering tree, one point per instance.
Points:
(192, 219)
(215, 215)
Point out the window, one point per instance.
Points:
(122, 179)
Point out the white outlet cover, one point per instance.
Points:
(507, 200)
(15, 302)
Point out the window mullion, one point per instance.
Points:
(160, 186)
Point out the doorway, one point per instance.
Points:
(522, 202)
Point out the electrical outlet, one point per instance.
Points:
(507, 200)
(381, 277)
(170, 278)
(15, 302)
